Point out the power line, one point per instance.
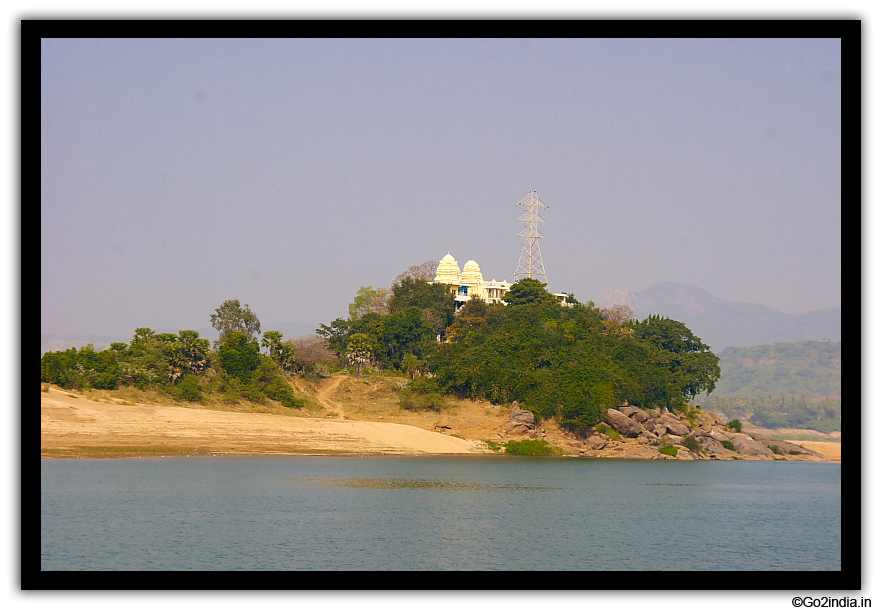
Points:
(530, 263)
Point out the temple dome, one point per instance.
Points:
(471, 273)
(448, 271)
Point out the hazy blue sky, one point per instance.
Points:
(177, 174)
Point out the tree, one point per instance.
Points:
(424, 271)
(281, 353)
(368, 300)
(692, 367)
(528, 290)
(233, 317)
(312, 352)
(411, 292)
(239, 355)
(619, 313)
(337, 335)
(361, 350)
(193, 349)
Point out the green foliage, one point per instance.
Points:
(783, 411)
(735, 424)
(529, 447)
(422, 394)
(728, 445)
(189, 388)
(280, 353)
(493, 445)
(336, 335)
(692, 367)
(239, 355)
(610, 432)
(435, 299)
(668, 450)
(691, 443)
(776, 449)
(794, 452)
(529, 291)
(232, 317)
(366, 301)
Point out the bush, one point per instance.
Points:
(794, 452)
(776, 449)
(691, 443)
(669, 450)
(610, 432)
(735, 425)
(189, 389)
(493, 446)
(728, 445)
(528, 447)
(422, 393)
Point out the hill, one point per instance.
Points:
(721, 323)
(785, 385)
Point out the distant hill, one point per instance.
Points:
(722, 323)
(809, 368)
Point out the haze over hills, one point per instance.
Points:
(721, 323)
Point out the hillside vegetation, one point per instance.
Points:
(785, 385)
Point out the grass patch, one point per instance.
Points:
(776, 449)
(669, 450)
(610, 432)
(528, 447)
(728, 445)
(794, 452)
(493, 446)
(691, 443)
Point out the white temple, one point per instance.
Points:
(469, 283)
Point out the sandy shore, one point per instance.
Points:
(831, 451)
(75, 426)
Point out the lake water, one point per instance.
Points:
(431, 513)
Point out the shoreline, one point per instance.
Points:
(100, 427)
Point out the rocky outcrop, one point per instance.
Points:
(521, 422)
(645, 432)
(624, 424)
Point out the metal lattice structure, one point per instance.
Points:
(530, 264)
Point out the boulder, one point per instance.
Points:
(710, 445)
(675, 439)
(640, 415)
(521, 415)
(596, 443)
(748, 446)
(624, 424)
(629, 411)
(654, 413)
(677, 428)
(516, 428)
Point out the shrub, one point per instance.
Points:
(528, 447)
(794, 452)
(776, 449)
(493, 446)
(189, 389)
(691, 443)
(669, 450)
(422, 393)
(610, 432)
(728, 445)
(735, 425)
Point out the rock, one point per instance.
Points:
(624, 424)
(748, 446)
(516, 428)
(596, 443)
(644, 440)
(675, 439)
(640, 416)
(536, 434)
(706, 428)
(710, 445)
(443, 425)
(677, 428)
(629, 411)
(522, 415)
(624, 403)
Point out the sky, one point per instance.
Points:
(177, 174)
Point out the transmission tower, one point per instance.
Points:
(530, 264)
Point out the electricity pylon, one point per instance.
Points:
(530, 264)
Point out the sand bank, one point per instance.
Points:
(831, 451)
(75, 426)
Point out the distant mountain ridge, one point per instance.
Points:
(722, 323)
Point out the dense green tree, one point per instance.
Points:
(527, 291)
(239, 355)
(367, 300)
(693, 367)
(362, 350)
(436, 298)
(233, 317)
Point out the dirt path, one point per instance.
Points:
(72, 426)
(323, 395)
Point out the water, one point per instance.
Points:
(429, 513)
